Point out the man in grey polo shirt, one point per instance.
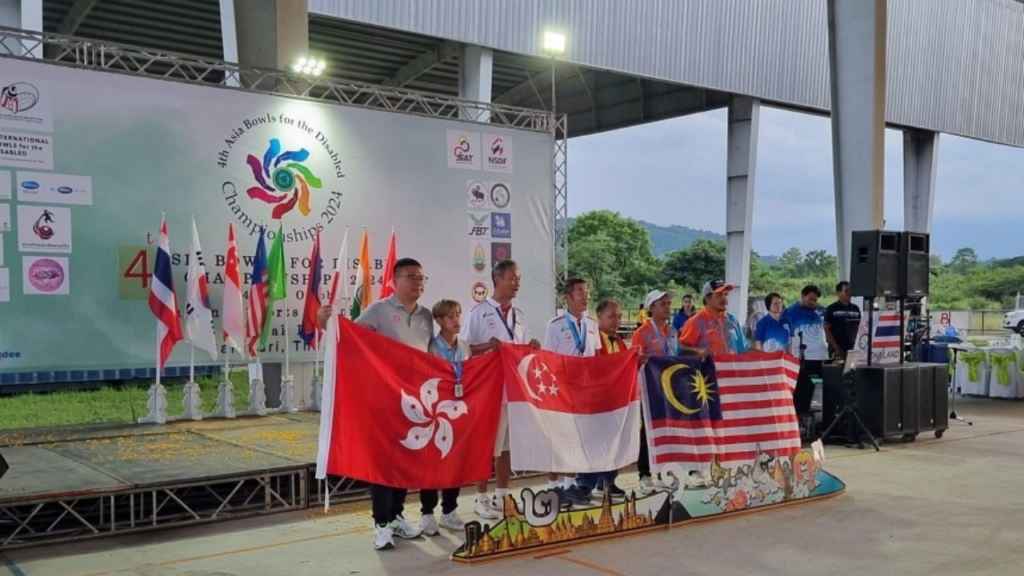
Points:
(400, 318)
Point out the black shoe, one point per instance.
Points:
(616, 492)
(575, 496)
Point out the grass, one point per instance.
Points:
(111, 404)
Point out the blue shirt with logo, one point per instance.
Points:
(772, 334)
(679, 319)
(810, 322)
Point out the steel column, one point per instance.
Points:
(475, 69)
(741, 168)
(920, 161)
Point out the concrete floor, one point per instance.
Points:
(949, 506)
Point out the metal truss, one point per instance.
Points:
(32, 523)
(339, 490)
(96, 55)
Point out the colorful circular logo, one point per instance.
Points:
(284, 181)
(46, 275)
(479, 292)
(500, 195)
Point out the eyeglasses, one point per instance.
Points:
(414, 279)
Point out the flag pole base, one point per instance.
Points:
(157, 406)
(192, 402)
(287, 395)
(225, 400)
(257, 397)
(317, 393)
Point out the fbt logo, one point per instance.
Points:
(479, 224)
(12, 354)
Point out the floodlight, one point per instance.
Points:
(554, 43)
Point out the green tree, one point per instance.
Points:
(818, 263)
(695, 264)
(964, 260)
(790, 260)
(628, 267)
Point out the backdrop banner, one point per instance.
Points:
(94, 158)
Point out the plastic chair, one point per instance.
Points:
(1003, 377)
(971, 374)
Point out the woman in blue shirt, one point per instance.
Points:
(772, 332)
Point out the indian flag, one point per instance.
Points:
(364, 284)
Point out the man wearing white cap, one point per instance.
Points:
(713, 331)
(655, 338)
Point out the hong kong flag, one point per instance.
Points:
(396, 421)
(569, 414)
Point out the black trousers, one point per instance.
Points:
(643, 463)
(449, 500)
(388, 503)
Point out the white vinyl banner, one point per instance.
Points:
(110, 153)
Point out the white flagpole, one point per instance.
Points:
(191, 363)
(158, 354)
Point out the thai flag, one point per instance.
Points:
(887, 331)
(308, 331)
(257, 296)
(162, 300)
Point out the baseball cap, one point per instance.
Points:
(717, 287)
(655, 295)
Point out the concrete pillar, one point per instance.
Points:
(920, 160)
(270, 33)
(229, 35)
(857, 52)
(475, 67)
(741, 168)
(24, 14)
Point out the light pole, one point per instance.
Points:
(554, 46)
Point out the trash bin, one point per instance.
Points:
(933, 352)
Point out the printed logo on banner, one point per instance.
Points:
(479, 224)
(25, 106)
(501, 251)
(45, 275)
(463, 149)
(5, 218)
(479, 257)
(44, 229)
(479, 292)
(476, 194)
(499, 153)
(500, 195)
(280, 165)
(55, 188)
(501, 225)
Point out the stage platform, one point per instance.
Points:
(82, 482)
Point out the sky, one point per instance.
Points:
(673, 172)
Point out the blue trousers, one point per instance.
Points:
(595, 480)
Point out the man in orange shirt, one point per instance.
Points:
(713, 331)
(655, 338)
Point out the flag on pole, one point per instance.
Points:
(276, 280)
(331, 360)
(364, 283)
(257, 296)
(340, 266)
(386, 287)
(571, 414)
(198, 310)
(308, 330)
(231, 311)
(162, 301)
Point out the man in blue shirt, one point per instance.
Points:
(684, 313)
(807, 326)
(772, 332)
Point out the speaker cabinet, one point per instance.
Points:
(880, 399)
(875, 263)
(914, 264)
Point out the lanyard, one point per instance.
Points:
(665, 350)
(511, 328)
(581, 341)
(611, 344)
(456, 362)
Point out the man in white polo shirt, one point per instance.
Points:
(572, 333)
(490, 324)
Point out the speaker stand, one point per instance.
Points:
(952, 389)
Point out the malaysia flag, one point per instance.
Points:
(162, 300)
(729, 407)
(569, 414)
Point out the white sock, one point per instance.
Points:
(568, 482)
(552, 484)
(481, 496)
(501, 493)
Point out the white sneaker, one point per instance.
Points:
(403, 529)
(697, 480)
(484, 510)
(451, 521)
(646, 486)
(382, 539)
(498, 504)
(428, 524)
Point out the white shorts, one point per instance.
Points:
(501, 440)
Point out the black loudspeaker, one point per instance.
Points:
(3, 466)
(914, 264)
(875, 263)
